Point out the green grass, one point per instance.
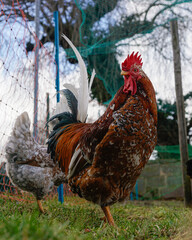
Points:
(78, 219)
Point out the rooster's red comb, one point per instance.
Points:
(130, 60)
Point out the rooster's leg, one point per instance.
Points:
(40, 206)
(108, 215)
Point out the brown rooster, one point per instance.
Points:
(102, 160)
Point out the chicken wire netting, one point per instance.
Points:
(18, 84)
(104, 32)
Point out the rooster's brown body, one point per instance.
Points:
(103, 160)
(111, 152)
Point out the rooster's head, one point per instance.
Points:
(131, 70)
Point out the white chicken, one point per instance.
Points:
(29, 166)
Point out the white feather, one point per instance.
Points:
(91, 80)
(83, 95)
(74, 161)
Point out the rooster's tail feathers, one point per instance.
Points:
(73, 104)
(66, 111)
(91, 80)
(83, 94)
(71, 101)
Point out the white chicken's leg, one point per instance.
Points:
(40, 206)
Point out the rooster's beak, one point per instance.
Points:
(124, 73)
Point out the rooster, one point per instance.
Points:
(102, 160)
(29, 166)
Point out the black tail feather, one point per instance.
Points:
(71, 100)
(64, 119)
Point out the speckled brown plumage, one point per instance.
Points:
(106, 157)
(118, 151)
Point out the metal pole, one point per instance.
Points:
(37, 10)
(48, 115)
(131, 196)
(136, 191)
(181, 113)
(57, 85)
(56, 17)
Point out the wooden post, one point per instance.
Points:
(181, 113)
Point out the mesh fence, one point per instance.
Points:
(171, 152)
(104, 32)
(17, 84)
(18, 74)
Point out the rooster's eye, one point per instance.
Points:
(135, 70)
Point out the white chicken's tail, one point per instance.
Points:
(20, 142)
